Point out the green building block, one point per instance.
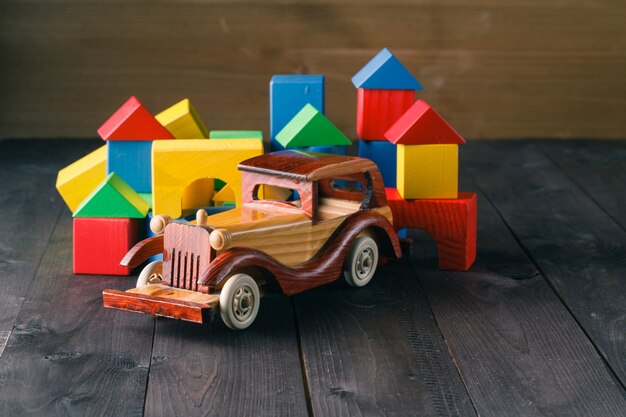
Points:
(236, 134)
(311, 128)
(113, 198)
(147, 197)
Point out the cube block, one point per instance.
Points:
(101, 243)
(132, 161)
(378, 110)
(427, 171)
(182, 121)
(384, 154)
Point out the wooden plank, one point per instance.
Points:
(492, 68)
(518, 349)
(67, 354)
(29, 206)
(578, 247)
(598, 167)
(377, 350)
(213, 371)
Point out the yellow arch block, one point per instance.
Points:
(77, 180)
(178, 163)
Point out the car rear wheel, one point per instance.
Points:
(239, 301)
(361, 262)
(151, 274)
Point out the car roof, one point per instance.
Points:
(306, 166)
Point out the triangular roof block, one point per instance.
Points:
(422, 125)
(311, 128)
(133, 121)
(385, 72)
(182, 121)
(113, 198)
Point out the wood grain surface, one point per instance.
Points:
(491, 68)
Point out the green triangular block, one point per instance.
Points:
(311, 128)
(113, 198)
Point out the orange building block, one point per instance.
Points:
(451, 222)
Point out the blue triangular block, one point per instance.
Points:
(385, 72)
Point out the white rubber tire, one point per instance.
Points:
(239, 301)
(151, 274)
(361, 262)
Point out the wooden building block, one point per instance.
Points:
(451, 222)
(99, 244)
(384, 71)
(223, 196)
(133, 121)
(378, 110)
(182, 121)
(77, 180)
(427, 171)
(288, 94)
(384, 154)
(236, 134)
(113, 198)
(131, 160)
(147, 197)
(422, 125)
(176, 164)
(309, 127)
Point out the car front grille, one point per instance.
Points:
(186, 256)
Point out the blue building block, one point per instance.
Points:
(288, 94)
(131, 160)
(337, 150)
(384, 154)
(385, 72)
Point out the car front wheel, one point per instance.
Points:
(239, 301)
(151, 274)
(361, 262)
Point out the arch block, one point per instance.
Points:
(176, 164)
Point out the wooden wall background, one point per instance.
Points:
(493, 68)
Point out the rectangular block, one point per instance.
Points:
(384, 154)
(288, 94)
(236, 134)
(378, 110)
(132, 161)
(99, 244)
(427, 171)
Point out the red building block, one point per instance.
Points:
(101, 243)
(133, 121)
(378, 110)
(422, 125)
(451, 222)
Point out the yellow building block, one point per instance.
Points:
(182, 121)
(78, 180)
(428, 171)
(178, 163)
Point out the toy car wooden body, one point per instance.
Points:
(339, 223)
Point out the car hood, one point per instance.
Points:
(256, 216)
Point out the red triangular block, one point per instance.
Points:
(422, 125)
(133, 121)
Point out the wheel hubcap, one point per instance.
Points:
(243, 302)
(365, 263)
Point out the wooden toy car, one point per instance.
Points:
(338, 224)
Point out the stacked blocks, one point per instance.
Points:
(288, 94)
(427, 153)
(106, 226)
(182, 121)
(310, 128)
(77, 180)
(386, 89)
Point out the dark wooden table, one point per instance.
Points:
(536, 327)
